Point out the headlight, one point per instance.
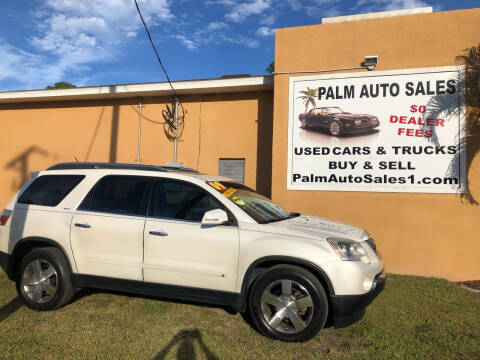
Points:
(349, 250)
(358, 122)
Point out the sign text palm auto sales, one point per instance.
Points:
(382, 131)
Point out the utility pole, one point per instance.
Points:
(175, 141)
(139, 133)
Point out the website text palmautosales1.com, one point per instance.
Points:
(371, 179)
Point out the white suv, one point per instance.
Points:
(179, 234)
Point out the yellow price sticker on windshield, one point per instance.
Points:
(238, 201)
(229, 192)
(217, 186)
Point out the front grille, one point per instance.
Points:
(372, 244)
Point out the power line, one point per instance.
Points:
(158, 56)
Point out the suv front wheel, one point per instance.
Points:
(44, 279)
(288, 303)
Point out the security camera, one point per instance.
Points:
(370, 62)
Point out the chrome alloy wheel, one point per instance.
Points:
(40, 281)
(287, 306)
(334, 128)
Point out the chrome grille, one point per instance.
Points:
(372, 244)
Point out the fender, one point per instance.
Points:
(250, 274)
(33, 241)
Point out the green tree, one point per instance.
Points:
(271, 67)
(446, 106)
(308, 97)
(61, 85)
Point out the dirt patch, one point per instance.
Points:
(473, 284)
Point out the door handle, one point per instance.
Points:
(158, 233)
(86, 226)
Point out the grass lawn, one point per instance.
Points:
(414, 318)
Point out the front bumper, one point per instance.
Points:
(348, 309)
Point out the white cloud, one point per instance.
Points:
(268, 20)
(70, 36)
(27, 69)
(295, 5)
(188, 43)
(265, 31)
(241, 40)
(316, 8)
(404, 4)
(115, 11)
(387, 5)
(251, 43)
(73, 34)
(245, 9)
(216, 25)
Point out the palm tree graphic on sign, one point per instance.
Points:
(308, 97)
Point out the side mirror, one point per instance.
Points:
(215, 217)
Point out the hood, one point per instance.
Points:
(317, 227)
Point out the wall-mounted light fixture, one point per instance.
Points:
(370, 62)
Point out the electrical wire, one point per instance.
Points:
(169, 122)
(168, 127)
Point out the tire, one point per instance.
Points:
(292, 318)
(335, 128)
(44, 279)
(304, 124)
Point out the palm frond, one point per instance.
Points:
(472, 58)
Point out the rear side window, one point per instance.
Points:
(182, 201)
(49, 190)
(119, 194)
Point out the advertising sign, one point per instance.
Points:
(381, 131)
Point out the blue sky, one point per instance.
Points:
(99, 42)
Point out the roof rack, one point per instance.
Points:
(124, 166)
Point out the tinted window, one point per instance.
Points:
(118, 194)
(182, 201)
(49, 190)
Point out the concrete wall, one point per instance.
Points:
(37, 135)
(422, 234)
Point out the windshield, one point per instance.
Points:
(333, 110)
(260, 208)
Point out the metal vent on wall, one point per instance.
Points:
(232, 168)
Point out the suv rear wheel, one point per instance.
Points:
(288, 303)
(44, 279)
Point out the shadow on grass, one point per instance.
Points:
(186, 340)
(85, 292)
(10, 308)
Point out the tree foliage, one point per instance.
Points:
(271, 67)
(443, 105)
(61, 85)
(308, 97)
